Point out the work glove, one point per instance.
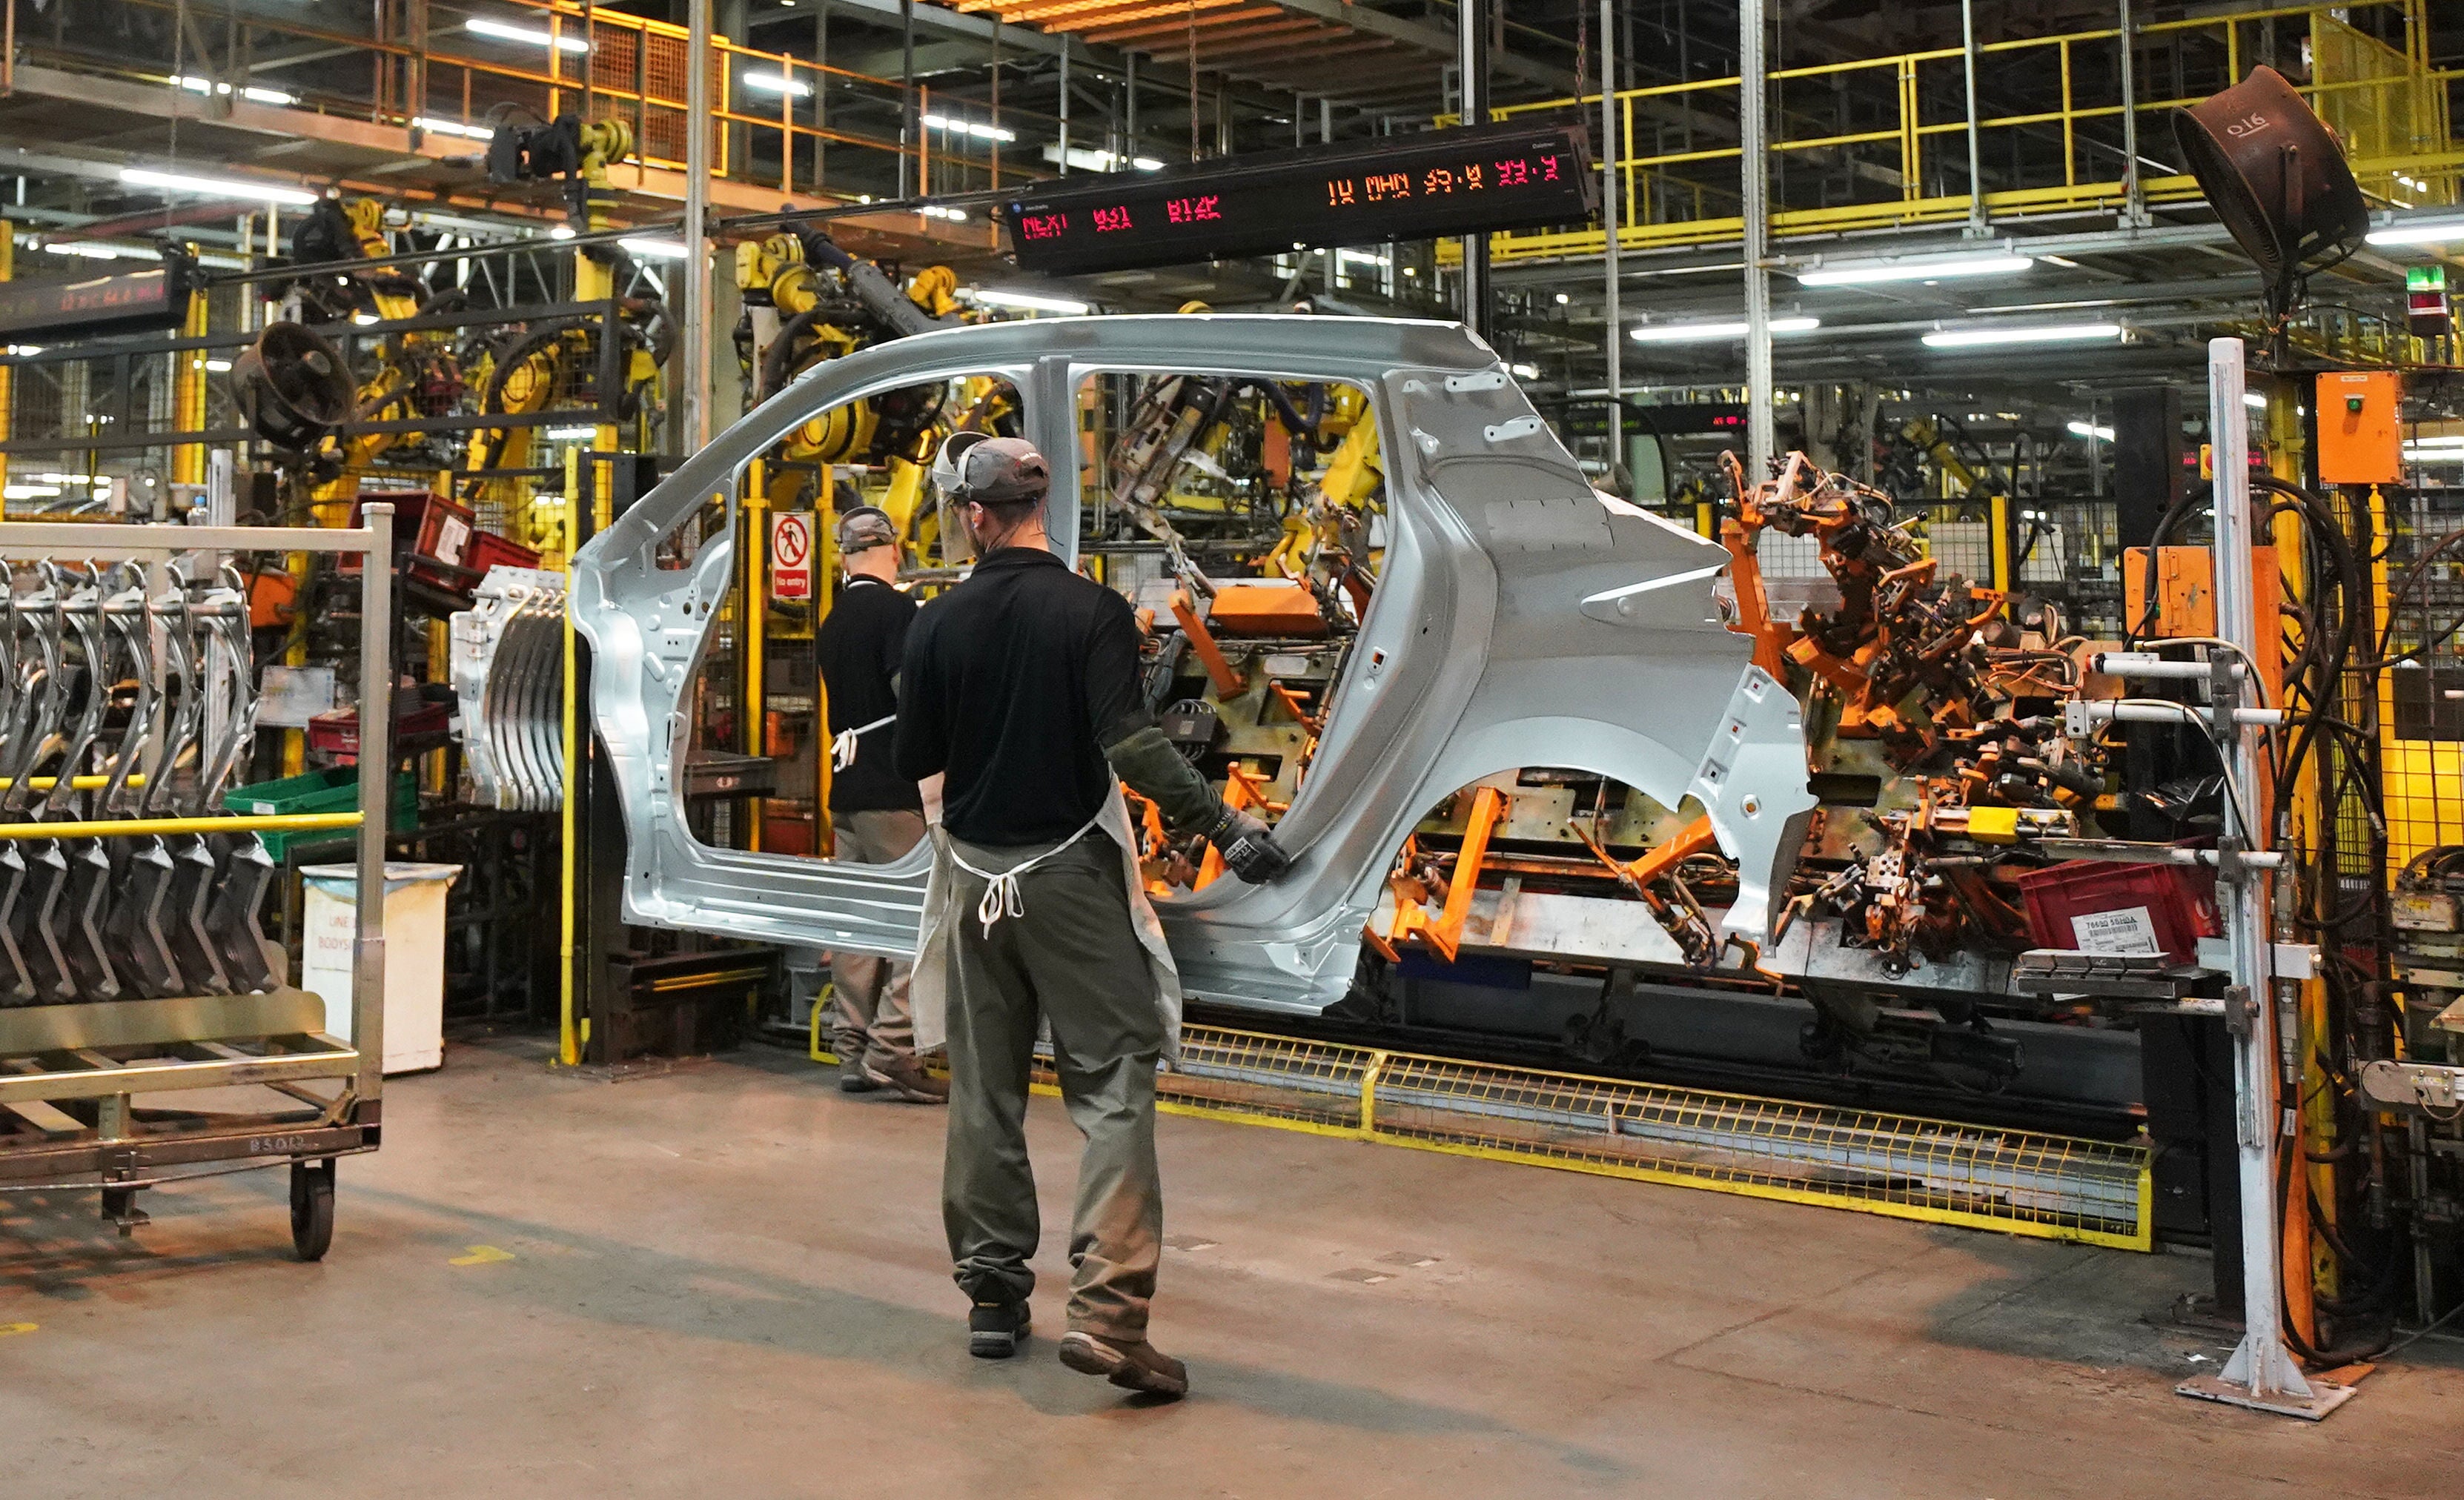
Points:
(1249, 848)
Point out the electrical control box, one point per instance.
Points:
(2361, 438)
(2185, 592)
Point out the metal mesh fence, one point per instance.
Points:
(2016, 1182)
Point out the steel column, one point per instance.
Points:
(1977, 225)
(1611, 180)
(2262, 1372)
(1471, 54)
(694, 340)
(1752, 169)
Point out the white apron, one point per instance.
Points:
(929, 984)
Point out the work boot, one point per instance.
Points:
(908, 1077)
(1138, 1366)
(994, 1328)
(852, 1075)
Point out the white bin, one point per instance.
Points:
(415, 975)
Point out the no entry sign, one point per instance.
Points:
(791, 554)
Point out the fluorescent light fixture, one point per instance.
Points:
(571, 434)
(654, 250)
(218, 366)
(30, 491)
(1084, 160)
(2253, 401)
(2040, 334)
(1363, 257)
(1525, 372)
(968, 127)
(2432, 231)
(454, 127)
(363, 319)
(252, 94)
(1864, 273)
(2421, 455)
(934, 211)
(96, 249)
(563, 231)
(216, 187)
(773, 83)
(2087, 429)
(1707, 333)
(2437, 441)
(523, 34)
(1563, 299)
(24, 349)
(1029, 302)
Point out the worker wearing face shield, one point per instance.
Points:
(1022, 686)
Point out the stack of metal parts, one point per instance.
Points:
(125, 699)
(509, 678)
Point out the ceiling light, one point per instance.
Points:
(2421, 455)
(1705, 333)
(2041, 333)
(30, 491)
(1526, 371)
(454, 127)
(365, 319)
(934, 211)
(571, 434)
(218, 366)
(656, 250)
(970, 127)
(2088, 429)
(2427, 232)
(2438, 441)
(23, 349)
(95, 250)
(773, 83)
(1563, 299)
(1364, 258)
(2253, 401)
(253, 95)
(563, 231)
(1920, 270)
(523, 34)
(1028, 301)
(216, 187)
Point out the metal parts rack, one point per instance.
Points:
(75, 1066)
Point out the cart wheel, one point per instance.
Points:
(311, 1209)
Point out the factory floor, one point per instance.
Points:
(728, 1280)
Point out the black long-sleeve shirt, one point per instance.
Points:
(1013, 683)
(860, 648)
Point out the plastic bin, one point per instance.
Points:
(2103, 906)
(414, 969)
(335, 790)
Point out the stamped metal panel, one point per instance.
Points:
(1521, 618)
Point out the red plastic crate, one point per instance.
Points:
(2106, 906)
(488, 550)
(337, 731)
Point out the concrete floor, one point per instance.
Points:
(729, 1281)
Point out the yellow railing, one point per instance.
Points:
(633, 69)
(2388, 104)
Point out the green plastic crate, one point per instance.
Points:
(335, 790)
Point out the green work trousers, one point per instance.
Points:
(871, 1019)
(1072, 959)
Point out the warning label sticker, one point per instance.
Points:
(2128, 930)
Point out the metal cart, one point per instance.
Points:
(71, 1075)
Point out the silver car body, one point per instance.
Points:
(1521, 618)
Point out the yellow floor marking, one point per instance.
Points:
(6, 1328)
(481, 1255)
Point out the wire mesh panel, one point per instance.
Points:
(2421, 689)
(2021, 1183)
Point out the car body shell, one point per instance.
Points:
(1520, 617)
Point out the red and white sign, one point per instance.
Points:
(791, 554)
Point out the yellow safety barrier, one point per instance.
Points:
(167, 827)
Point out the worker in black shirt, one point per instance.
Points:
(876, 813)
(1021, 684)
